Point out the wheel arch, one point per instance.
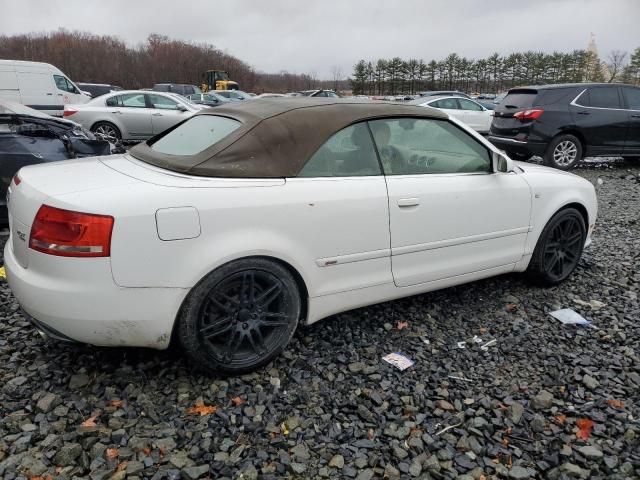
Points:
(577, 206)
(110, 122)
(300, 282)
(576, 133)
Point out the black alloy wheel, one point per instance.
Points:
(240, 316)
(559, 248)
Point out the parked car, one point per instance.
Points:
(210, 99)
(319, 93)
(234, 95)
(29, 137)
(38, 85)
(131, 115)
(279, 213)
(97, 89)
(443, 93)
(564, 123)
(468, 111)
(179, 88)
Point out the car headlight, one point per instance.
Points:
(82, 132)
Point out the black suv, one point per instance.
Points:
(564, 123)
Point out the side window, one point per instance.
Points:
(469, 105)
(114, 101)
(448, 103)
(132, 100)
(632, 95)
(411, 146)
(602, 97)
(348, 153)
(162, 102)
(63, 84)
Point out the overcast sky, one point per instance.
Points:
(305, 36)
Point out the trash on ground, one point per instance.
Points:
(3, 274)
(462, 344)
(454, 377)
(477, 339)
(486, 346)
(398, 360)
(426, 341)
(402, 325)
(569, 317)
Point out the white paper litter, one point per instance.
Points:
(569, 317)
(398, 360)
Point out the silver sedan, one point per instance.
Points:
(131, 115)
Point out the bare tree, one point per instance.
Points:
(336, 74)
(616, 61)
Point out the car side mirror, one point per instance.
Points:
(502, 163)
(182, 108)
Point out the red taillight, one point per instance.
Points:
(532, 114)
(68, 112)
(71, 234)
(16, 180)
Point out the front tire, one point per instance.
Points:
(559, 248)
(240, 316)
(564, 152)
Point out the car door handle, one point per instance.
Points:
(49, 93)
(408, 202)
(635, 115)
(584, 113)
(156, 114)
(116, 111)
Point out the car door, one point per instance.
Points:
(598, 114)
(632, 104)
(341, 214)
(450, 214)
(67, 92)
(475, 115)
(129, 111)
(166, 112)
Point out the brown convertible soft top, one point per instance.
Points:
(277, 136)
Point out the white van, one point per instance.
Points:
(38, 85)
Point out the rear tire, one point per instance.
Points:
(559, 248)
(108, 131)
(564, 152)
(240, 316)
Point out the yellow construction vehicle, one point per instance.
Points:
(217, 80)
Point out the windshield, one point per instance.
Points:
(195, 135)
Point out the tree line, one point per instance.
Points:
(493, 74)
(86, 57)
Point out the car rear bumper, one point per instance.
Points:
(518, 146)
(77, 299)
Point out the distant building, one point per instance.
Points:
(592, 48)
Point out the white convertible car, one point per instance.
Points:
(226, 231)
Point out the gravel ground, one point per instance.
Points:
(543, 401)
